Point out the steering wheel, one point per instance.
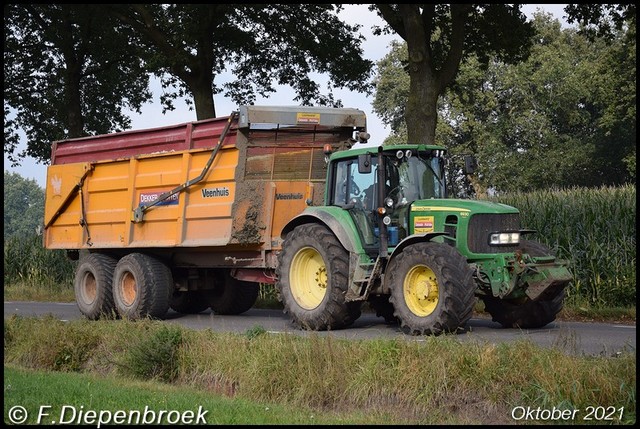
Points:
(394, 194)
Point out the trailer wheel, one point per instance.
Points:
(189, 302)
(525, 313)
(313, 279)
(432, 289)
(142, 287)
(93, 285)
(231, 296)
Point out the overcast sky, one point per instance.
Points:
(375, 47)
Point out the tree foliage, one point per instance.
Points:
(439, 37)
(601, 20)
(261, 45)
(69, 71)
(72, 70)
(564, 117)
(23, 206)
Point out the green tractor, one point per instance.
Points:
(388, 235)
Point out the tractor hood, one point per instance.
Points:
(462, 207)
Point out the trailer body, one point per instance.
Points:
(227, 188)
(269, 168)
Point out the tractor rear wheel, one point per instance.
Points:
(313, 275)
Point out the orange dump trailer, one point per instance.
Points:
(188, 216)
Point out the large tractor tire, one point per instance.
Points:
(432, 289)
(93, 285)
(525, 313)
(313, 276)
(231, 296)
(142, 287)
(189, 302)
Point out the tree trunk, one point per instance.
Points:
(72, 78)
(421, 113)
(427, 79)
(74, 120)
(203, 99)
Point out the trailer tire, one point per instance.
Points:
(525, 313)
(189, 302)
(313, 280)
(93, 285)
(231, 296)
(432, 289)
(142, 287)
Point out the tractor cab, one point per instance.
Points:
(378, 189)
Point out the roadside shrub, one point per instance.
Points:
(57, 348)
(154, 355)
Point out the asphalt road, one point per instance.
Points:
(601, 339)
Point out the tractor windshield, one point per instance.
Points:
(415, 178)
(409, 176)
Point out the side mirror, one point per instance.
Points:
(470, 164)
(364, 163)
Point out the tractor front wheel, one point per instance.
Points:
(432, 290)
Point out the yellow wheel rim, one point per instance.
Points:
(128, 289)
(308, 278)
(421, 290)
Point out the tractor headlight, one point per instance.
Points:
(504, 238)
(388, 202)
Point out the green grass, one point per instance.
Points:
(24, 291)
(72, 397)
(439, 380)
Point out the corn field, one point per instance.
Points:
(27, 262)
(594, 229)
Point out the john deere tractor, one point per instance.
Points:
(388, 235)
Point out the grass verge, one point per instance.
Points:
(71, 398)
(436, 381)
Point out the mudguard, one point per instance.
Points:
(335, 219)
